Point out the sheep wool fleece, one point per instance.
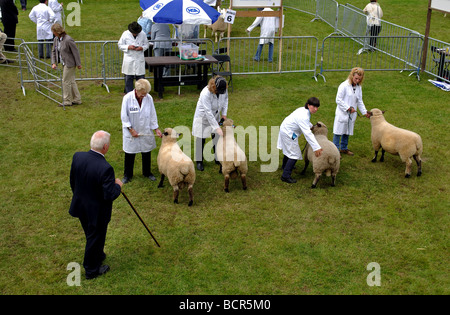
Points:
(143, 119)
(292, 127)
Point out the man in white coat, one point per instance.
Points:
(269, 26)
(57, 8)
(348, 99)
(139, 120)
(44, 18)
(133, 43)
(212, 105)
(292, 127)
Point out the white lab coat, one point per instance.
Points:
(133, 61)
(44, 18)
(293, 126)
(207, 113)
(269, 25)
(143, 120)
(57, 8)
(346, 97)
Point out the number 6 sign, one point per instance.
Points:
(229, 16)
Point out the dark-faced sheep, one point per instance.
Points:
(329, 161)
(231, 157)
(176, 165)
(396, 141)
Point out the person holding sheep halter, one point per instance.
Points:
(139, 120)
(291, 128)
(212, 104)
(348, 99)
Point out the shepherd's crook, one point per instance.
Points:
(140, 218)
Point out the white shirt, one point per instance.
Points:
(57, 8)
(207, 113)
(133, 61)
(374, 13)
(143, 119)
(292, 127)
(347, 96)
(44, 18)
(269, 25)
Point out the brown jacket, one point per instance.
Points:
(69, 52)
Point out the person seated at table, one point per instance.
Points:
(161, 42)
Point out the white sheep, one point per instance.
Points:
(219, 27)
(231, 157)
(176, 165)
(396, 141)
(329, 161)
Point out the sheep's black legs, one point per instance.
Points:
(316, 179)
(191, 196)
(306, 165)
(382, 155)
(244, 181)
(161, 181)
(375, 157)
(419, 164)
(227, 183)
(175, 195)
(333, 180)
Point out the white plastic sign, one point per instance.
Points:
(229, 16)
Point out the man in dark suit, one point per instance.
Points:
(94, 188)
(10, 20)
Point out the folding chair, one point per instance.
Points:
(224, 61)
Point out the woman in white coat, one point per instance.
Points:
(57, 8)
(269, 26)
(133, 43)
(139, 120)
(212, 105)
(348, 99)
(292, 127)
(44, 18)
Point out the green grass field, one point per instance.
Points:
(273, 238)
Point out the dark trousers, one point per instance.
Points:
(10, 31)
(129, 164)
(48, 47)
(374, 31)
(129, 81)
(95, 243)
(288, 166)
(200, 144)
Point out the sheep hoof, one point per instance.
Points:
(313, 186)
(190, 203)
(419, 173)
(227, 190)
(382, 160)
(333, 185)
(175, 201)
(244, 188)
(160, 186)
(407, 175)
(374, 160)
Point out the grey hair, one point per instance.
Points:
(143, 85)
(99, 139)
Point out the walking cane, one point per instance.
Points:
(140, 218)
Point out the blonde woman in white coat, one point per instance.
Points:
(292, 127)
(212, 105)
(139, 120)
(348, 100)
(133, 43)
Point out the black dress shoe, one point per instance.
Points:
(101, 271)
(126, 180)
(289, 180)
(151, 177)
(200, 166)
